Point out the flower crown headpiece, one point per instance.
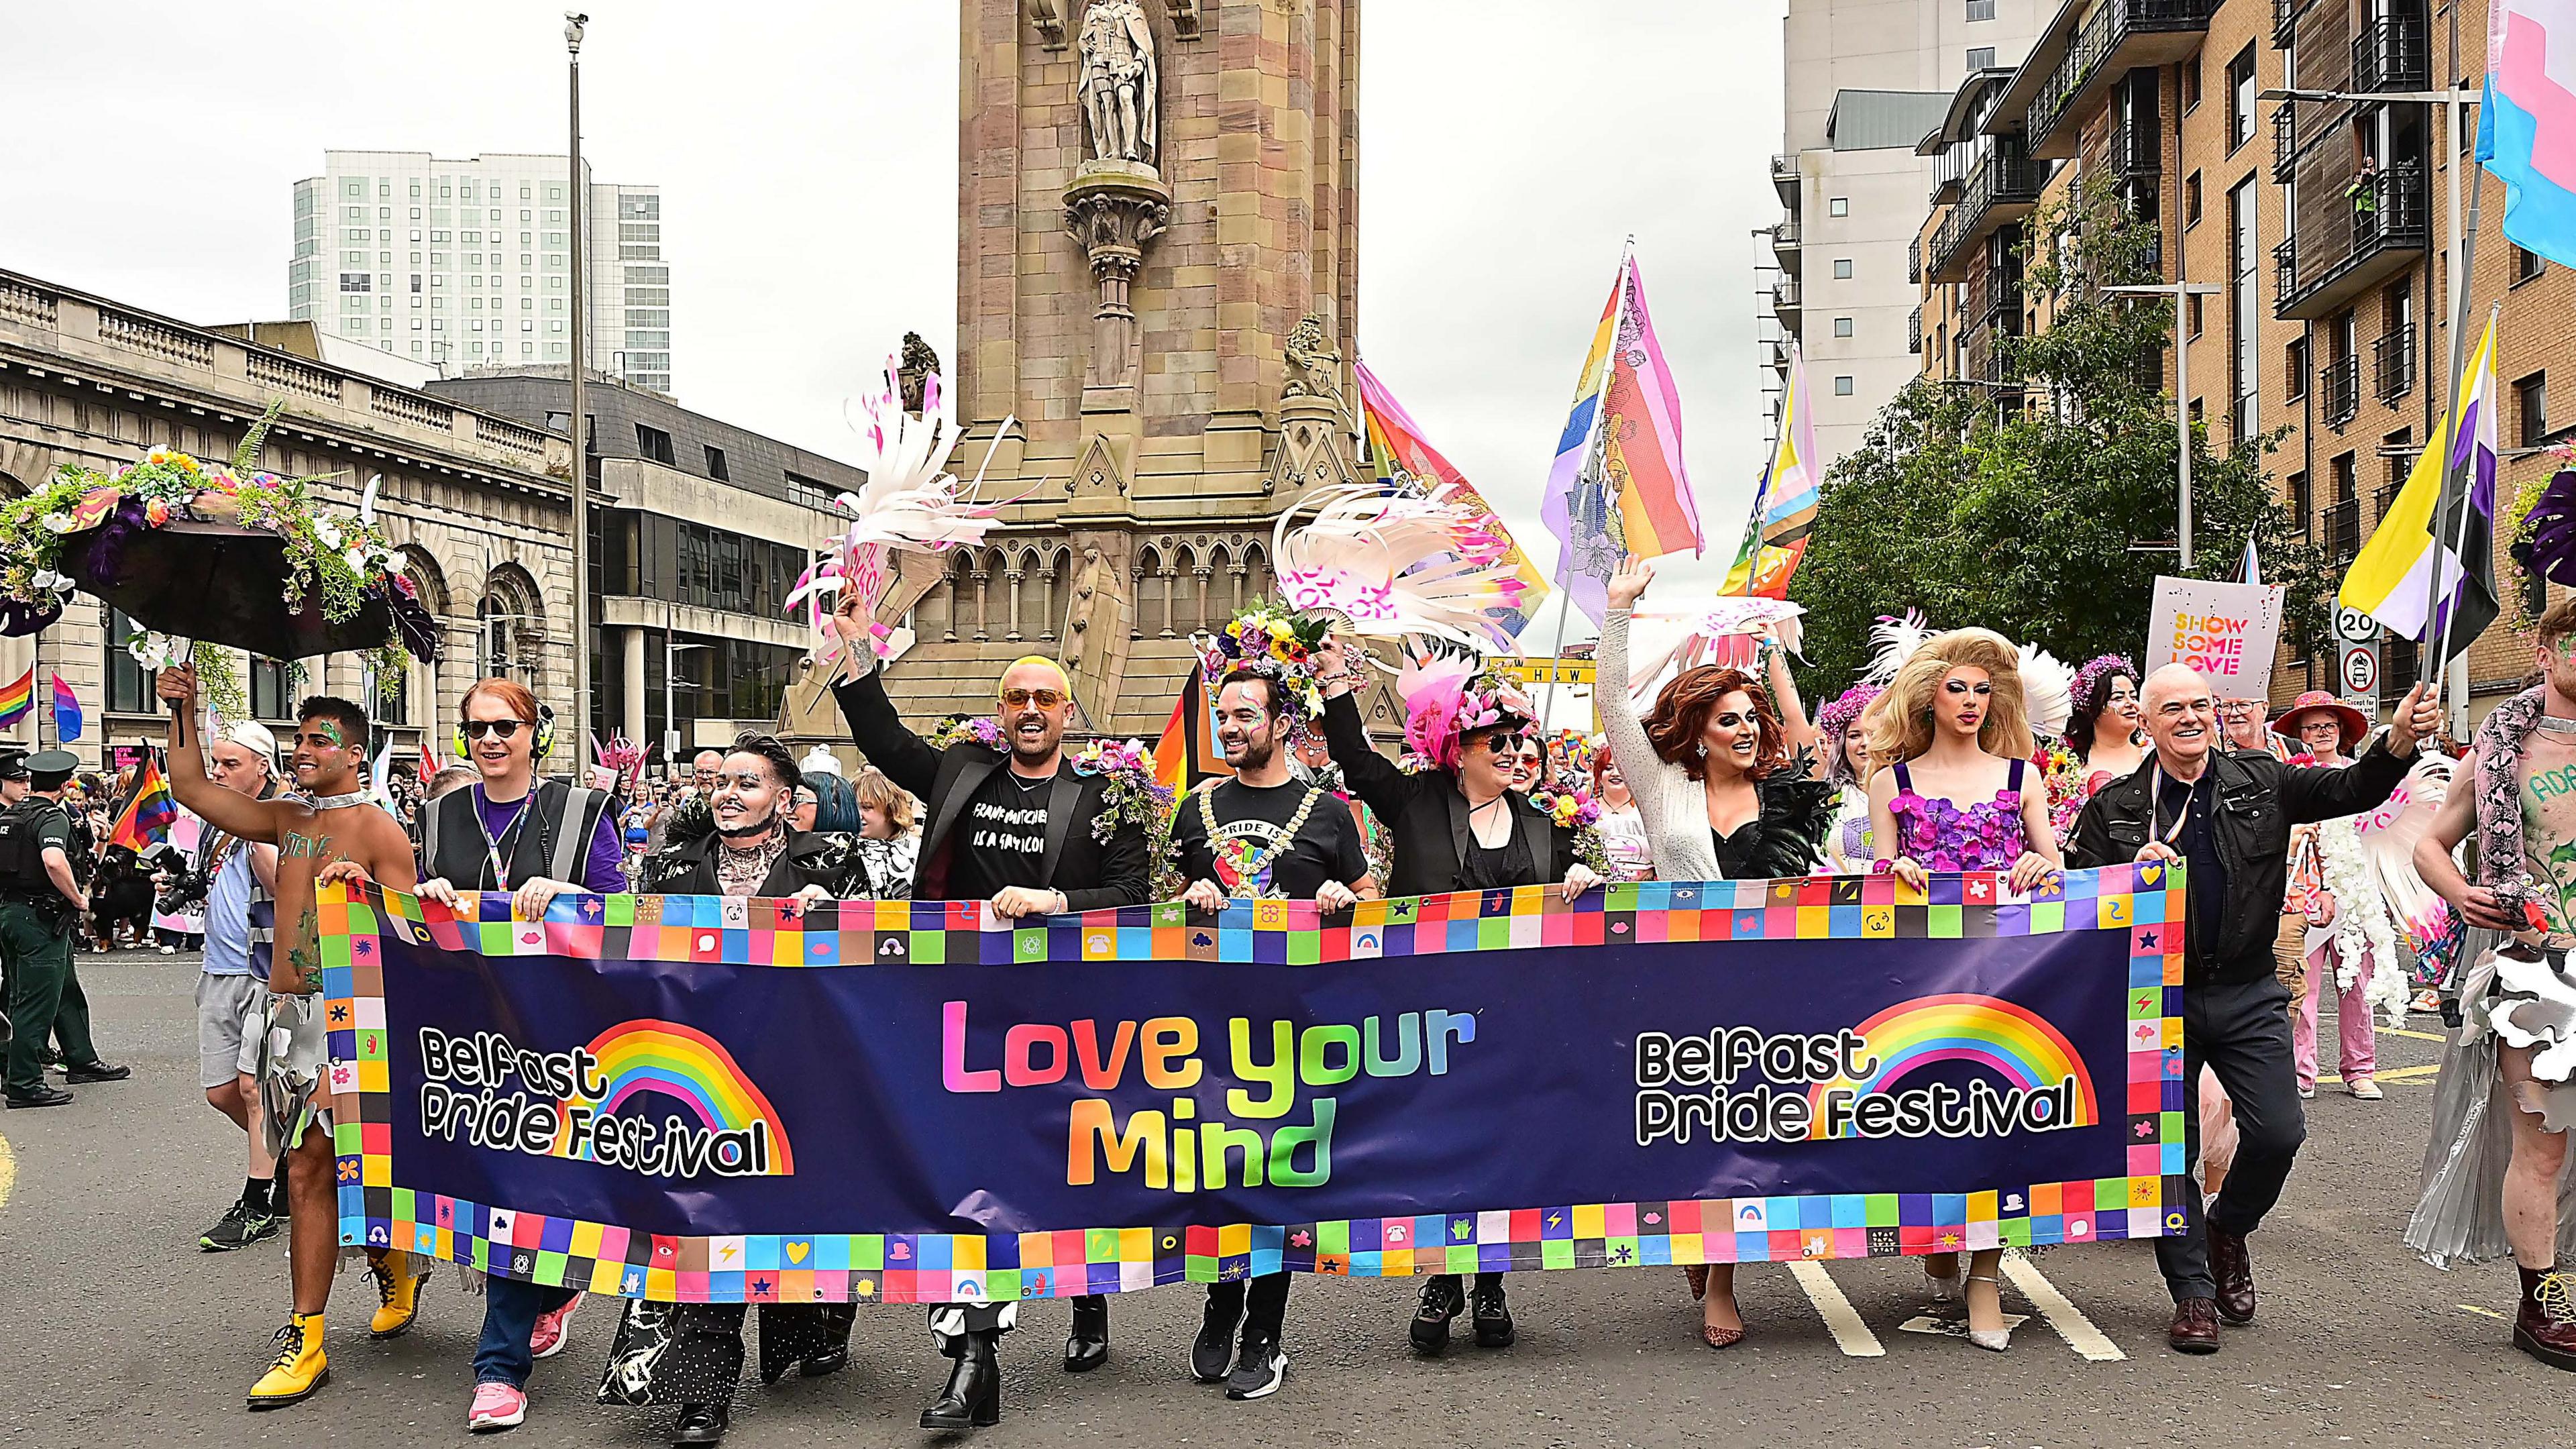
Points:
(1273, 643)
(1837, 717)
(1448, 699)
(2092, 683)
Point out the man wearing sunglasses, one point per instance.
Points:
(1013, 827)
(535, 840)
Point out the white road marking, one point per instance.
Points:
(2062, 1315)
(1850, 1334)
(2480, 1312)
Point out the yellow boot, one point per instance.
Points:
(397, 1292)
(299, 1367)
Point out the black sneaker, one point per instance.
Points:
(241, 1225)
(41, 1097)
(1257, 1374)
(1441, 1301)
(96, 1072)
(1493, 1318)
(1216, 1336)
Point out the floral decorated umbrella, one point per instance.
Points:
(212, 554)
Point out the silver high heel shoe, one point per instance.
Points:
(1949, 1289)
(1993, 1339)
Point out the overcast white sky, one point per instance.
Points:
(807, 158)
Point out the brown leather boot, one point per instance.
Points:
(2234, 1271)
(2195, 1327)
(2545, 1328)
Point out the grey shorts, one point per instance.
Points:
(227, 1041)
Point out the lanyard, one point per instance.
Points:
(497, 851)
(2155, 803)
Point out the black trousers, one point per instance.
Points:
(2243, 1032)
(1262, 1302)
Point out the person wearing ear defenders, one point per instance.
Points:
(535, 840)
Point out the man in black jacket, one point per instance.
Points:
(1013, 827)
(2227, 815)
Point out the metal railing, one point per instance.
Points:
(1914, 333)
(2392, 54)
(2389, 216)
(2339, 390)
(1914, 264)
(2285, 141)
(2343, 530)
(2004, 176)
(2285, 20)
(2393, 362)
(2099, 40)
(2134, 153)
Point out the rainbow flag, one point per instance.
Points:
(18, 698)
(147, 817)
(2527, 124)
(1784, 506)
(1618, 485)
(1396, 441)
(2394, 573)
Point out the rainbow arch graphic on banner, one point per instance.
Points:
(682, 1063)
(2024, 1049)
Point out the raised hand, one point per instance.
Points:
(1629, 583)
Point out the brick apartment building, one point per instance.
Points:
(2324, 224)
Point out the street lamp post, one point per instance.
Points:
(2178, 289)
(574, 22)
(671, 650)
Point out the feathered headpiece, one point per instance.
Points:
(1274, 644)
(1892, 642)
(1395, 564)
(1447, 698)
(1730, 633)
(908, 503)
(2046, 690)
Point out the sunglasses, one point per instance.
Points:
(1042, 698)
(1503, 744)
(499, 729)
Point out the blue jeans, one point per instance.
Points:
(510, 1310)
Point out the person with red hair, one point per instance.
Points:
(1720, 797)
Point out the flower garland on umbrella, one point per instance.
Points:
(340, 561)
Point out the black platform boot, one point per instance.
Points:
(973, 1397)
(1087, 1346)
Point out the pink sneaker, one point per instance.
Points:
(552, 1329)
(496, 1407)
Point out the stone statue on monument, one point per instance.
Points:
(1118, 81)
(1314, 365)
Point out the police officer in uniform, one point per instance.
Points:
(40, 899)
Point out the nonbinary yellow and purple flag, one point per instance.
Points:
(700, 1098)
(1396, 441)
(1784, 506)
(2527, 124)
(2393, 577)
(1618, 485)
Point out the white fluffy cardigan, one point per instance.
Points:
(1673, 806)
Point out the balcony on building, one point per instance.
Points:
(2343, 530)
(2358, 234)
(2393, 362)
(1784, 244)
(1784, 301)
(1914, 333)
(2000, 189)
(2339, 390)
(2392, 51)
(1784, 178)
(2084, 49)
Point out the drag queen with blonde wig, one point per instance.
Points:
(1953, 727)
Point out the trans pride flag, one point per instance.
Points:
(1619, 486)
(1396, 441)
(2527, 125)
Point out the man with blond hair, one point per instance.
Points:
(2227, 814)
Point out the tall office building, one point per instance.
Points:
(465, 264)
(1864, 82)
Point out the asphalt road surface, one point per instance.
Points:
(115, 1331)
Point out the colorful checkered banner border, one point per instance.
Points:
(704, 1098)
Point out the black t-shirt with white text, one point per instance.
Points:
(1001, 839)
(1327, 846)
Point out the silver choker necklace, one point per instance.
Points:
(2557, 724)
(338, 802)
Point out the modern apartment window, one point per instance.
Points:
(1834, 206)
(2302, 502)
(2244, 305)
(2191, 199)
(2526, 265)
(2191, 82)
(2240, 98)
(716, 463)
(655, 444)
(2294, 369)
(1981, 9)
(1842, 387)
(1842, 327)
(2532, 394)
(1980, 57)
(2194, 313)
(1842, 269)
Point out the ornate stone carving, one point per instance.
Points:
(1185, 18)
(1113, 208)
(1118, 82)
(920, 360)
(1048, 17)
(1314, 367)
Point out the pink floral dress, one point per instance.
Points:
(1939, 836)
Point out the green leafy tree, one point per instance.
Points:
(2036, 510)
